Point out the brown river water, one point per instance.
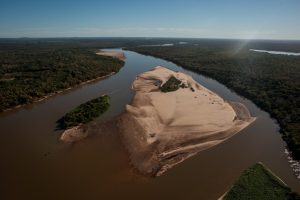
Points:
(34, 164)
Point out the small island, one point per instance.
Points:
(75, 120)
(172, 117)
(258, 182)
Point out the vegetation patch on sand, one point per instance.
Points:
(258, 183)
(172, 84)
(86, 112)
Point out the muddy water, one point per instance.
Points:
(34, 164)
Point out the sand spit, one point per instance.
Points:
(161, 130)
(84, 131)
(115, 54)
(75, 134)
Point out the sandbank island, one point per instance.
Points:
(76, 121)
(172, 117)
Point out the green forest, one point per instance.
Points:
(258, 183)
(86, 112)
(31, 71)
(270, 81)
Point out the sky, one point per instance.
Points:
(241, 19)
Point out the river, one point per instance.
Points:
(34, 164)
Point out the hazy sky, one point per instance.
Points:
(262, 19)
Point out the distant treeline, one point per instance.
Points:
(31, 71)
(114, 42)
(271, 81)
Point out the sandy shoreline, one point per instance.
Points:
(161, 130)
(83, 131)
(115, 54)
(74, 134)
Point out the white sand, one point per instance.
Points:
(162, 129)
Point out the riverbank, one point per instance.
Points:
(36, 74)
(60, 92)
(115, 54)
(161, 130)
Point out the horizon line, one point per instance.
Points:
(145, 37)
